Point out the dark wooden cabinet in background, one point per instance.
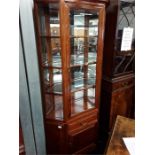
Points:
(121, 92)
(118, 81)
(21, 142)
(70, 51)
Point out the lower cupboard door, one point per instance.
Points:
(82, 139)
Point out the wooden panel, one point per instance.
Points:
(61, 140)
(111, 23)
(55, 137)
(82, 124)
(122, 84)
(121, 104)
(117, 99)
(115, 84)
(82, 139)
(90, 3)
(102, 13)
(64, 30)
(82, 132)
(86, 150)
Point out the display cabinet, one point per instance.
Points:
(118, 63)
(70, 51)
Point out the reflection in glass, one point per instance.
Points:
(82, 100)
(53, 81)
(126, 19)
(124, 59)
(51, 52)
(92, 71)
(54, 110)
(49, 20)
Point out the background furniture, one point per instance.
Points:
(124, 127)
(21, 142)
(70, 51)
(117, 96)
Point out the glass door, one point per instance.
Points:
(83, 59)
(70, 50)
(125, 38)
(51, 59)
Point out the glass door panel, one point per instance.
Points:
(51, 60)
(124, 60)
(83, 57)
(126, 19)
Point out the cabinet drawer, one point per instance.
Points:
(81, 124)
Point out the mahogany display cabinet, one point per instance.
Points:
(70, 37)
(118, 80)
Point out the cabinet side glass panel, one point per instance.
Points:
(51, 60)
(83, 56)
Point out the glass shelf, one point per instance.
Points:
(52, 76)
(80, 84)
(78, 106)
(77, 85)
(76, 61)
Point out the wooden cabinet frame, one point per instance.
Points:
(63, 125)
